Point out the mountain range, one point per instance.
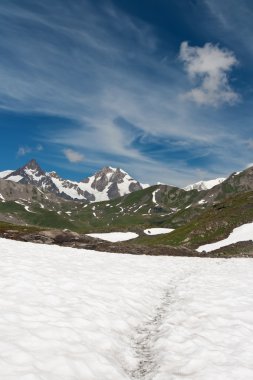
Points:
(111, 200)
(106, 184)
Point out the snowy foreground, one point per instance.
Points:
(71, 314)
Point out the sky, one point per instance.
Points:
(162, 89)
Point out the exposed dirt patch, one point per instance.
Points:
(143, 342)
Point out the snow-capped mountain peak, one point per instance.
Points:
(32, 174)
(108, 183)
(204, 185)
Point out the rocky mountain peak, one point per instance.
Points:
(32, 174)
(31, 168)
(112, 182)
(32, 164)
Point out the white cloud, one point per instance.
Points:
(209, 66)
(73, 156)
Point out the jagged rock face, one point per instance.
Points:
(108, 183)
(100, 182)
(11, 191)
(134, 186)
(113, 191)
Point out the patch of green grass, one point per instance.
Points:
(10, 207)
(4, 226)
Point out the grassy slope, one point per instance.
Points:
(194, 225)
(135, 211)
(215, 223)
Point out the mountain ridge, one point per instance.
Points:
(204, 185)
(15, 176)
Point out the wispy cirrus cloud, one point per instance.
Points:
(231, 16)
(93, 64)
(209, 66)
(24, 150)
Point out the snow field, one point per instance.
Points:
(71, 314)
(157, 231)
(124, 236)
(114, 236)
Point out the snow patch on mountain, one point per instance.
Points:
(5, 173)
(158, 231)
(145, 185)
(15, 178)
(154, 197)
(242, 233)
(114, 236)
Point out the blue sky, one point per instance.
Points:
(162, 89)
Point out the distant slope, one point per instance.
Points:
(204, 185)
(214, 223)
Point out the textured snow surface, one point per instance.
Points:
(242, 233)
(115, 236)
(71, 314)
(157, 231)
